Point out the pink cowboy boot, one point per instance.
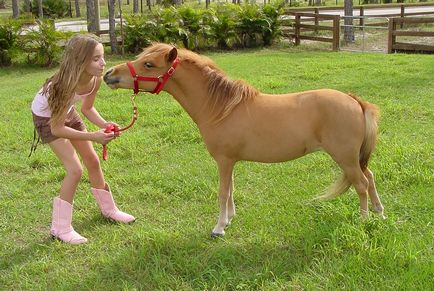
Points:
(61, 224)
(108, 207)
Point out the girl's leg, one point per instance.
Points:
(61, 227)
(67, 155)
(91, 161)
(99, 187)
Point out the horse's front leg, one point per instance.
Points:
(231, 204)
(225, 168)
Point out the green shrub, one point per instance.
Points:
(272, 31)
(250, 25)
(51, 8)
(223, 25)
(9, 31)
(169, 26)
(43, 45)
(139, 32)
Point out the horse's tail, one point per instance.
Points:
(371, 114)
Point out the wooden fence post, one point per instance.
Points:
(336, 36)
(391, 37)
(361, 20)
(402, 15)
(316, 19)
(297, 29)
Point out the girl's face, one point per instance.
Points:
(97, 63)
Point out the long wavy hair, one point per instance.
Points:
(62, 85)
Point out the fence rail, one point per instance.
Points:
(394, 45)
(299, 28)
(294, 26)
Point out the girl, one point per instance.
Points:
(58, 123)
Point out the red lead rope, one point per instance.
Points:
(116, 129)
(160, 80)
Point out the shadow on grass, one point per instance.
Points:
(150, 259)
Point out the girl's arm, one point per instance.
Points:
(90, 111)
(60, 130)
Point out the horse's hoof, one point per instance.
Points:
(216, 235)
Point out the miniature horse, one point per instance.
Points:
(237, 122)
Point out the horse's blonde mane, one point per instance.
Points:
(223, 94)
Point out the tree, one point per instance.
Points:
(15, 9)
(97, 15)
(112, 26)
(77, 8)
(135, 6)
(90, 8)
(26, 5)
(40, 9)
(348, 21)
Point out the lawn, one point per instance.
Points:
(161, 172)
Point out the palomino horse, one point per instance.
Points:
(237, 122)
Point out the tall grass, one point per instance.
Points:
(161, 172)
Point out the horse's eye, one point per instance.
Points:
(148, 65)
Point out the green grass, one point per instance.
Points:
(161, 172)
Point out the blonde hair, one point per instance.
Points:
(62, 85)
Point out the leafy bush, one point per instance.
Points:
(169, 25)
(42, 44)
(51, 8)
(250, 25)
(272, 31)
(224, 26)
(139, 32)
(9, 31)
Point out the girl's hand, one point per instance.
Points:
(102, 137)
(112, 123)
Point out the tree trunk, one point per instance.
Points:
(15, 9)
(91, 26)
(135, 6)
(77, 8)
(97, 15)
(348, 31)
(26, 5)
(40, 10)
(112, 26)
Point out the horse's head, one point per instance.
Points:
(149, 72)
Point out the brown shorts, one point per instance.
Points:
(43, 128)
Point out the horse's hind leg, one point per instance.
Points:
(361, 184)
(373, 194)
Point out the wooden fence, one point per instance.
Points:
(299, 28)
(294, 27)
(393, 45)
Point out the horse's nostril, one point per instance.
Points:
(106, 76)
(108, 72)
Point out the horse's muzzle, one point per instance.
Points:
(110, 80)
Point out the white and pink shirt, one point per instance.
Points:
(40, 102)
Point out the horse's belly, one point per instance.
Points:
(273, 152)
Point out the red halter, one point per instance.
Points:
(161, 80)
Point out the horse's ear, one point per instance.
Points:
(172, 55)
